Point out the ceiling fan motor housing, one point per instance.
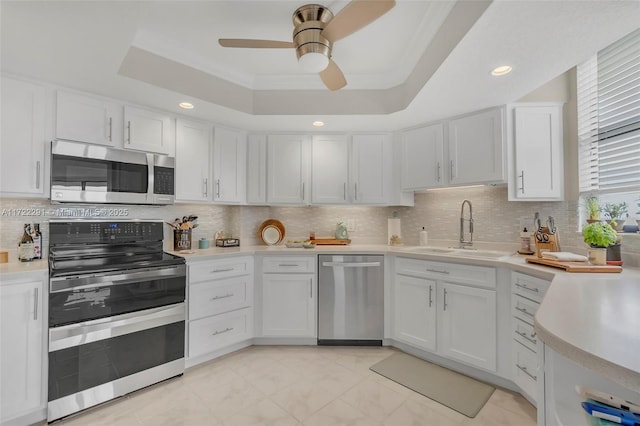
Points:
(309, 21)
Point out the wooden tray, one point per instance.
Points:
(574, 266)
(330, 242)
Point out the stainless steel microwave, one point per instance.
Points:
(84, 173)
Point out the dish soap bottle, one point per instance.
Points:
(424, 237)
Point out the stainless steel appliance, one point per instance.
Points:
(116, 312)
(351, 300)
(83, 173)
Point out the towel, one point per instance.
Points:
(563, 256)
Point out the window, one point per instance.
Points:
(609, 123)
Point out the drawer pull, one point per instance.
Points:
(438, 271)
(222, 270)
(525, 371)
(222, 331)
(222, 297)
(288, 264)
(527, 287)
(430, 293)
(524, 335)
(524, 311)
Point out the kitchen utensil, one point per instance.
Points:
(271, 232)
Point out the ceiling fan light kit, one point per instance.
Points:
(315, 31)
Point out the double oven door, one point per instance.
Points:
(113, 333)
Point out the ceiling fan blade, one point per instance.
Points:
(254, 44)
(332, 76)
(355, 15)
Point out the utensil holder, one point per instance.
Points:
(181, 239)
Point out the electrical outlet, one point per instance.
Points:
(351, 225)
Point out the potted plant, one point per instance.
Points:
(592, 206)
(599, 236)
(615, 212)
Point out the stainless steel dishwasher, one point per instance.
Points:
(351, 300)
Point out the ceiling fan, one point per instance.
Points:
(315, 31)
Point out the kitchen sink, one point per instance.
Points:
(454, 251)
(491, 254)
(432, 250)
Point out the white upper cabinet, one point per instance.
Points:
(148, 131)
(23, 137)
(329, 169)
(257, 169)
(193, 148)
(476, 148)
(87, 119)
(229, 165)
(535, 148)
(288, 169)
(371, 168)
(422, 158)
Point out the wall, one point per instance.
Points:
(497, 221)
(211, 218)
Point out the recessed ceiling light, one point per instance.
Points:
(185, 105)
(501, 70)
(318, 123)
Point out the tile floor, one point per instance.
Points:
(294, 385)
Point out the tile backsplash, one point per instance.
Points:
(496, 220)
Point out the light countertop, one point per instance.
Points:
(592, 318)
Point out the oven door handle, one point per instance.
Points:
(105, 328)
(95, 281)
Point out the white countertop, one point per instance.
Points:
(592, 318)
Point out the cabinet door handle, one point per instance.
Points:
(38, 174)
(129, 131)
(438, 172)
(110, 128)
(524, 311)
(438, 271)
(222, 270)
(525, 371)
(526, 287)
(444, 306)
(311, 288)
(222, 331)
(344, 192)
(355, 192)
(205, 181)
(217, 188)
(524, 336)
(521, 176)
(35, 304)
(430, 293)
(302, 191)
(451, 169)
(222, 297)
(287, 264)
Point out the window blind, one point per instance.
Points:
(609, 118)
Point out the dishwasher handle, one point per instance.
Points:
(351, 265)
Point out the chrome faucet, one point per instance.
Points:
(464, 243)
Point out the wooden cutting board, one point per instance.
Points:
(574, 266)
(330, 242)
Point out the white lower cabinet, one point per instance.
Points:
(447, 308)
(526, 294)
(415, 313)
(289, 296)
(468, 328)
(22, 350)
(220, 306)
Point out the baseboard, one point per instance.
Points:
(301, 341)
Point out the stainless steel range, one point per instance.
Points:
(116, 311)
